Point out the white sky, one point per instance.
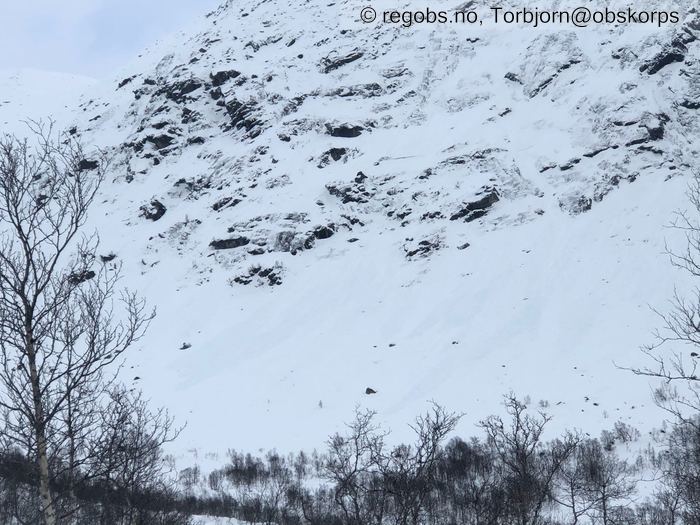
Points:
(88, 37)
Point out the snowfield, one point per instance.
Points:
(317, 207)
(29, 94)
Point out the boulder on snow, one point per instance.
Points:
(153, 211)
(346, 131)
(228, 244)
(87, 165)
(473, 210)
(323, 232)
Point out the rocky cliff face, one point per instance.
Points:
(290, 127)
(280, 136)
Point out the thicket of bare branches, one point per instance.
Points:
(63, 325)
(510, 476)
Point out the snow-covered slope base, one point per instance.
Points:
(318, 206)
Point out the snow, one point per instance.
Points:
(547, 301)
(31, 94)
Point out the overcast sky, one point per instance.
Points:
(88, 37)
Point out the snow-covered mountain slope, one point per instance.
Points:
(30, 94)
(318, 206)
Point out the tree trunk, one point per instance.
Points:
(47, 506)
(44, 489)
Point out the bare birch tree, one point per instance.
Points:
(62, 322)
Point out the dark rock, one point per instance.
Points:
(353, 220)
(344, 130)
(332, 155)
(80, 277)
(273, 278)
(86, 165)
(221, 77)
(424, 248)
(323, 232)
(179, 91)
(189, 116)
(513, 78)
(195, 185)
(625, 123)
(243, 116)
(400, 215)
(160, 141)
(431, 215)
(108, 258)
(226, 202)
(216, 93)
(154, 211)
(669, 55)
(125, 81)
(349, 193)
(569, 165)
(598, 151)
(337, 153)
(329, 65)
(464, 246)
(548, 81)
(476, 209)
(636, 142)
(195, 140)
(228, 244)
(270, 276)
(370, 391)
(656, 132)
